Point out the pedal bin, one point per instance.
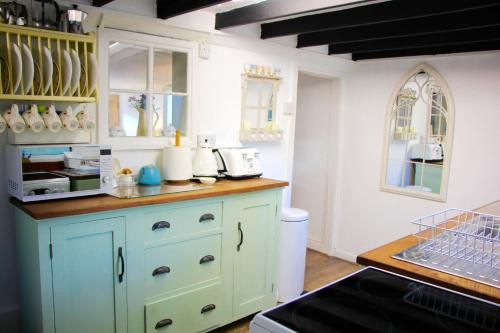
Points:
(292, 253)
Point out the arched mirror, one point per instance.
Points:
(419, 132)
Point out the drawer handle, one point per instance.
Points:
(207, 308)
(240, 231)
(161, 225)
(163, 323)
(206, 259)
(161, 270)
(122, 263)
(207, 217)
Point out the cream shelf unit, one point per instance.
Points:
(55, 41)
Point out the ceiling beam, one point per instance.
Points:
(427, 40)
(481, 17)
(389, 11)
(169, 8)
(100, 3)
(468, 47)
(270, 10)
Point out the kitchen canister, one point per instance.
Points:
(177, 165)
(33, 119)
(85, 121)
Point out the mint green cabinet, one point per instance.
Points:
(253, 218)
(188, 266)
(88, 267)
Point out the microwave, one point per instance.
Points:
(39, 172)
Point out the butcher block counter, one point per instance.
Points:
(382, 257)
(100, 203)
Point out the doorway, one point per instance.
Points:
(315, 150)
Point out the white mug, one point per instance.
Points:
(14, 120)
(69, 120)
(52, 120)
(3, 124)
(33, 119)
(84, 120)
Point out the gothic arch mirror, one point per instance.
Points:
(418, 136)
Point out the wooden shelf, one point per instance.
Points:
(56, 41)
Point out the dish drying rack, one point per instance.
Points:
(458, 242)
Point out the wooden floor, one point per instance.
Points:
(320, 270)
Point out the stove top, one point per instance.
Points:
(373, 300)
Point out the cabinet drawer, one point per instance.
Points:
(187, 313)
(167, 223)
(182, 264)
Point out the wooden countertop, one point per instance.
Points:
(381, 257)
(99, 203)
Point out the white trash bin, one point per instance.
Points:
(292, 253)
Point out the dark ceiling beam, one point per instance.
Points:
(469, 47)
(427, 40)
(481, 17)
(389, 11)
(100, 3)
(267, 10)
(169, 8)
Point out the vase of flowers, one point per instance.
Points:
(139, 104)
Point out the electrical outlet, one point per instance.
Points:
(208, 138)
(204, 51)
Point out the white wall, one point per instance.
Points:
(368, 217)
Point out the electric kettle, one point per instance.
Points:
(149, 175)
(204, 162)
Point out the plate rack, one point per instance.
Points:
(36, 39)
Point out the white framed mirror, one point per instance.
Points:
(418, 136)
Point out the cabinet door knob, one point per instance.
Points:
(240, 230)
(122, 264)
(206, 259)
(161, 270)
(161, 225)
(207, 217)
(163, 323)
(208, 308)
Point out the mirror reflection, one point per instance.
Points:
(418, 135)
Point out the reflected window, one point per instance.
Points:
(418, 141)
(142, 104)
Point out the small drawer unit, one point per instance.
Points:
(165, 224)
(177, 265)
(194, 311)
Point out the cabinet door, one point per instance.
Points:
(89, 295)
(254, 225)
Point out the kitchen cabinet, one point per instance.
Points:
(88, 274)
(184, 266)
(252, 219)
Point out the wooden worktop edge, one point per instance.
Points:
(101, 203)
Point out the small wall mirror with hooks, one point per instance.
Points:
(258, 104)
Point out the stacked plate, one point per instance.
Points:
(42, 70)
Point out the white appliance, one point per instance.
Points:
(41, 172)
(292, 253)
(239, 163)
(427, 151)
(204, 161)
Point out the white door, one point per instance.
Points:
(313, 170)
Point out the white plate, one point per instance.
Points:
(75, 76)
(17, 66)
(48, 69)
(67, 71)
(28, 68)
(92, 72)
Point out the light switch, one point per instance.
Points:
(204, 52)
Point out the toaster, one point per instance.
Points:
(427, 151)
(238, 163)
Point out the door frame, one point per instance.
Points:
(327, 245)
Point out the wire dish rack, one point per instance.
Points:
(458, 242)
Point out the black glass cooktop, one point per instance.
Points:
(376, 301)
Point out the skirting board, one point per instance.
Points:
(344, 255)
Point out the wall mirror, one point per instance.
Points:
(418, 136)
(258, 108)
